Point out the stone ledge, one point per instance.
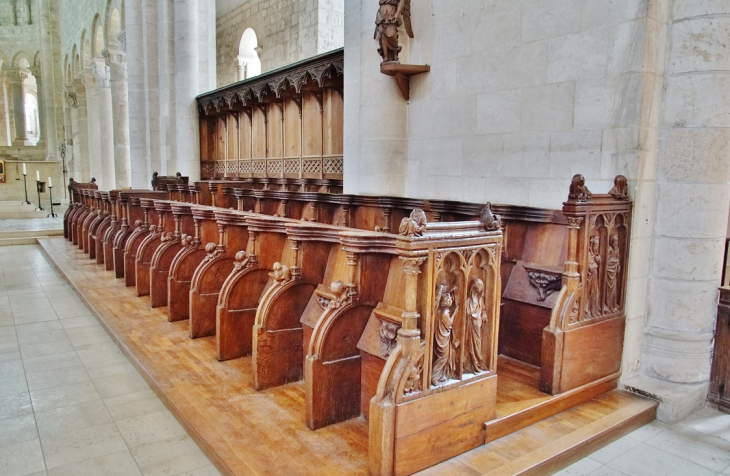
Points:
(676, 400)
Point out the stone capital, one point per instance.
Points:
(101, 72)
(71, 97)
(116, 59)
(17, 75)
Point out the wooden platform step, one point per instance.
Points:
(558, 441)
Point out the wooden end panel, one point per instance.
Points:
(234, 332)
(520, 330)
(434, 428)
(591, 352)
(372, 367)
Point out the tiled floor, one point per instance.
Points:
(70, 402)
(32, 224)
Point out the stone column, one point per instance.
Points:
(240, 68)
(94, 131)
(117, 62)
(6, 136)
(693, 172)
(82, 137)
(106, 126)
(17, 77)
(72, 133)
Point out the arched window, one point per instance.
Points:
(248, 62)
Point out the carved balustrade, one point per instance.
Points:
(286, 123)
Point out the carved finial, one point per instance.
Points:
(154, 175)
(620, 190)
(413, 225)
(210, 247)
(491, 221)
(280, 272)
(178, 174)
(93, 179)
(578, 190)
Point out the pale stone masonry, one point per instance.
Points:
(522, 95)
(287, 31)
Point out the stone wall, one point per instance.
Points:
(524, 94)
(287, 31)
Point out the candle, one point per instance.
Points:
(37, 175)
(25, 171)
(50, 184)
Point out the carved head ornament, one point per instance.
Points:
(491, 221)
(415, 224)
(620, 190)
(578, 190)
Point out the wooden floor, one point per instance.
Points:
(249, 432)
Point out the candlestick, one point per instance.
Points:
(50, 196)
(38, 189)
(25, 186)
(25, 171)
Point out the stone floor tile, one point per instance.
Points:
(15, 405)
(149, 428)
(68, 313)
(710, 422)
(209, 470)
(109, 368)
(99, 353)
(7, 331)
(114, 464)
(72, 417)
(727, 471)
(21, 459)
(57, 377)
(12, 385)
(130, 382)
(707, 451)
(606, 471)
(80, 321)
(38, 327)
(46, 348)
(580, 468)
(50, 398)
(31, 318)
(50, 362)
(22, 289)
(85, 341)
(18, 429)
(11, 356)
(133, 405)
(78, 445)
(646, 460)
(54, 335)
(615, 449)
(169, 457)
(10, 368)
(28, 297)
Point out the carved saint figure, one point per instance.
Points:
(413, 225)
(476, 317)
(594, 268)
(445, 346)
(613, 268)
(391, 15)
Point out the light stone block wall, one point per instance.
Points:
(287, 31)
(524, 94)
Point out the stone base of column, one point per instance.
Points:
(676, 400)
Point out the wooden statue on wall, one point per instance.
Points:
(391, 15)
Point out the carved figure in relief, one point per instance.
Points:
(388, 333)
(620, 190)
(391, 15)
(578, 190)
(413, 225)
(593, 309)
(476, 317)
(492, 221)
(445, 345)
(613, 268)
(413, 384)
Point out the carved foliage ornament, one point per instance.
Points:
(413, 384)
(243, 261)
(387, 333)
(545, 283)
(212, 251)
(341, 295)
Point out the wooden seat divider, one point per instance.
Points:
(115, 222)
(94, 207)
(214, 269)
(102, 227)
(164, 229)
(74, 189)
(77, 222)
(187, 260)
(142, 228)
(170, 246)
(100, 214)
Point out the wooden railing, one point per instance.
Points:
(286, 123)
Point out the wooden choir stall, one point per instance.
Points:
(443, 325)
